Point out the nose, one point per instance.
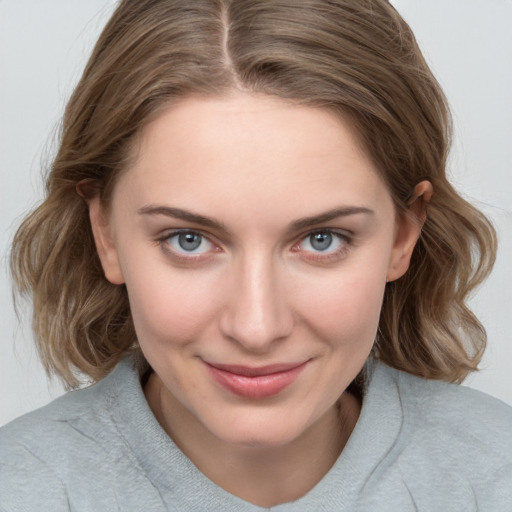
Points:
(257, 312)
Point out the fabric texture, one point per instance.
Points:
(418, 445)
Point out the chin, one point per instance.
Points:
(259, 431)
(260, 441)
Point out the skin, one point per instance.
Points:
(257, 291)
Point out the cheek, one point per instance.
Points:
(345, 308)
(169, 307)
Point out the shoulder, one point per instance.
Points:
(439, 412)
(454, 444)
(54, 448)
(56, 423)
(461, 413)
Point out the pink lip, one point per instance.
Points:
(261, 382)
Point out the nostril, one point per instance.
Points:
(256, 327)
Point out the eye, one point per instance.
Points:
(187, 243)
(323, 242)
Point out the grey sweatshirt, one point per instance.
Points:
(418, 445)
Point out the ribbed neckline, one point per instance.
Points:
(172, 472)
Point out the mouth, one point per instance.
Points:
(256, 382)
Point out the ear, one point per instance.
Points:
(408, 230)
(101, 231)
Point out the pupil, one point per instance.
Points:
(321, 241)
(189, 241)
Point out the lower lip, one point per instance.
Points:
(261, 386)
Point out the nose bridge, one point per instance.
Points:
(257, 312)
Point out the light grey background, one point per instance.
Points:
(43, 48)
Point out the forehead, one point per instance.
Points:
(245, 147)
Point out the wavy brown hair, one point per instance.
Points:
(359, 59)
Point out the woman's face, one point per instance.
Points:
(255, 239)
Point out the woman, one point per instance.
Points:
(250, 243)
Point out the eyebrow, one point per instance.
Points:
(335, 213)
(298, 225)
(186, 215)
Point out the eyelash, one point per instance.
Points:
(343, 238)
(164, 242)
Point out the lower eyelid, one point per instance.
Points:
(345, 242)
(336, 255)
(184, 256)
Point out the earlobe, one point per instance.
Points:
(408, 230)
(105, 245)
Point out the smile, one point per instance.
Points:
(262, 382)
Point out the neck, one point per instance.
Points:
(264, 476)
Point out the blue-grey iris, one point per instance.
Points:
(189, 241)
(321, 241)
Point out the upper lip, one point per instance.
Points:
(251, 371)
